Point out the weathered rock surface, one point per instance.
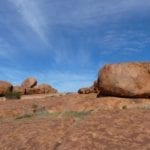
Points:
(96, 133)
(47, 88)
(5, 87)
(41, 89)
(125, 80)
(19, 89)
(85, 91)
(107, 126)
(29, 82)
(92, 89)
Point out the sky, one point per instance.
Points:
(65, 42)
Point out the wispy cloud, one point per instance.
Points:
(81, 13)
(124, 41)
(49, 18)
(68, 37)
(32, 16)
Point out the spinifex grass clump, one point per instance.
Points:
(25, 116)
(12, 95)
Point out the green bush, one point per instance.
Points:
(12, 95)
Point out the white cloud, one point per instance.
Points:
(48, 17)
(32, 16)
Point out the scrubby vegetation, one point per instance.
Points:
(12, 95)
(41, 111)
(124, 107)
(24, 116)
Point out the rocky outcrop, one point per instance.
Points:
(28, 87)
(29, 82)
(46, 88)
(5, 87)
(85, 91)
(19, 89)
(92, 89)
(41, 89)
(125, 80)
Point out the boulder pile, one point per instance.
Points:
(131, 80)
(41, 89)
(91, 89)
(28, 87)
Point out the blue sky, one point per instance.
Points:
(65, 42)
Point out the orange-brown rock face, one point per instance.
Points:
(125, 80)
(4, 87)
(40, 89)
(19, 89)
(92, 89)
(47, 88)
(85, 91)
(29, 82)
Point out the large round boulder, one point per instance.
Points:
(29, 82)
(125, 80)
(5, 87)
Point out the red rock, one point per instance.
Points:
(29, 82)
(41, 89)
(47, 88)
(85, 91)
(5, 87)
(92, 89)
(19, 89)
(125, 80)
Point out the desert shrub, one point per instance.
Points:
(12, 95)
(24, 116)
(38, 109)
(76, 114)
(34, 108)
(124, 107)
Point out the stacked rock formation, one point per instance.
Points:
(31, 87)
(92, 89)
(28, 87)
(41, 89)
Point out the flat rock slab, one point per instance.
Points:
(113, 123)
(106, 130)
(71, 102)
